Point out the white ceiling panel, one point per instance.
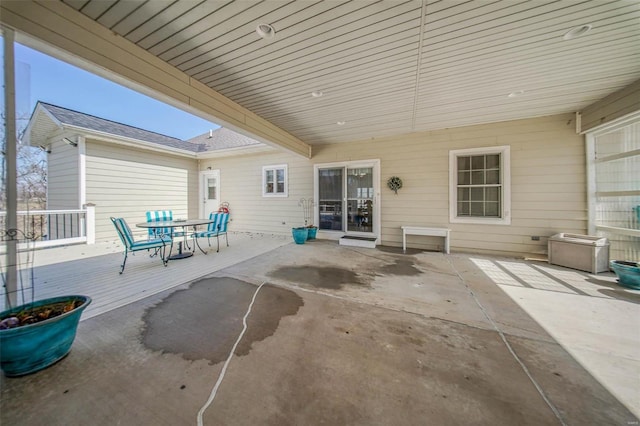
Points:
(389, 67)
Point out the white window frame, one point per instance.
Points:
(505, 178)
(275, 174)
(590, 140)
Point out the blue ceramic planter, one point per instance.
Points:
(628, 273)
(299, 235)
(30, 348)
(311, 233)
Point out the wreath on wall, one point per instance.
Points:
(394, 183)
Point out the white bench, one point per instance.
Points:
(428, 231)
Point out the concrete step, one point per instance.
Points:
(367, 242)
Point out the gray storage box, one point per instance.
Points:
(583, 252)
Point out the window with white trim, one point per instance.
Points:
(479, 185)
(274, 181)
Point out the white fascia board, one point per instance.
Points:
(229, 152)
(124, 141)
(34, 118)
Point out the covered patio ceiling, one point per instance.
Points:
(376, 68)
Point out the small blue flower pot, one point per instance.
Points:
(32, 347)
(628, 273)
(299, 235)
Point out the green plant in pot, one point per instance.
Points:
(307, 210)
(38, 333)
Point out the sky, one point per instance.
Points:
(42, 78)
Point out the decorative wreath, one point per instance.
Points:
(394, 183)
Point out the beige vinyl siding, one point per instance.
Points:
(63, 177)
(548, 184)
(126, 182)
(241, 186)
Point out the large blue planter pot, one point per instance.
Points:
(299, 235)
(30, 348)
(312, 232)
(628, 273)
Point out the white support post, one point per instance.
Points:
(91, 223)
(11, 158)
(590, 142)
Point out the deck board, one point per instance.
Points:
(93, 270)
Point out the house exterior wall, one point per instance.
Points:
(125, 182)
(548, 184)
(63, 180)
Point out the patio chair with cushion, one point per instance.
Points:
(131, 245)
(161, 216)
(215, 229)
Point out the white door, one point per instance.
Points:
(209, 192)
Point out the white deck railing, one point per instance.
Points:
(53, 227)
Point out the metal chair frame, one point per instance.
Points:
(131, 245)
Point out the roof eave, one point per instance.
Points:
(131, 142)
(229, 152)
(35, 116)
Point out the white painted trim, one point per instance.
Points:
(377, 199)
(505, 171)
(590, 142)
(90, 223)
(34, 118)
(82, 170)
(619, 231)
(619, 156)
(286, 181)
(228, 152)
(613, 125)
(135, 143)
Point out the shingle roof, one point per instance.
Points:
(90, 122)
(223, 138)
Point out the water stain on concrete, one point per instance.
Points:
(400, 267)
(325, 277)
(398, 250)
(204, 321)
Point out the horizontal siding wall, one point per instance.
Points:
(548, 184)
(241, 186)
(63, 178)
(124, 182)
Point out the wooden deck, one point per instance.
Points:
(93, 270)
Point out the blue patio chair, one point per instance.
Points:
(160, 216)
(215, 229)
(131, 245)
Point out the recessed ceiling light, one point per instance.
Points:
(577, 32)
(317, 94)
(341, 123)
(265, 31)
(515, 94)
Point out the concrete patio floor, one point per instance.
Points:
(340, 335)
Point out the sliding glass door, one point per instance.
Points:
(360, 199)
(330, 198)
(346, 194)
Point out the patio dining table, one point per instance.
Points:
(179, 223)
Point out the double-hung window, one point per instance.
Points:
(479, 181)
(274, 181)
